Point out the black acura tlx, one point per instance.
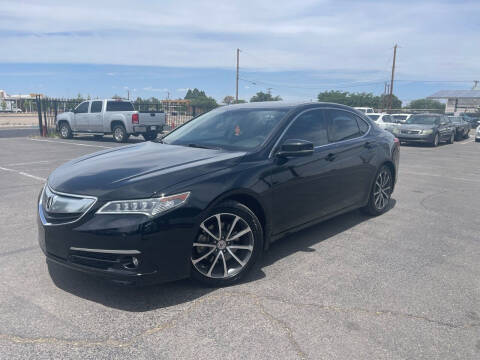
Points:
(207, 199)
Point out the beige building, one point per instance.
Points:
(459, 101)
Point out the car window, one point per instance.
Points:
(387, 119)
(374, 117)
(310, 126)
(119, 106)
(82, 108)
(342, 125)
(362, 125)
(96, 106)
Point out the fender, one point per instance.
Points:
(68, 117)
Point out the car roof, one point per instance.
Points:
(376, 114)
(285, 105)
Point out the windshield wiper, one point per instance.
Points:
(201, 146)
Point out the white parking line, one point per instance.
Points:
(30, 163)
(73, 143)
(24, 174)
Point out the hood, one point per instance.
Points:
(137, 171)
(416, 127)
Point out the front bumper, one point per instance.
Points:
(422, 138)
(129, 249)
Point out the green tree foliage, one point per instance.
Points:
(358, 99)
(199, 99)
(426, 104)
(261, 96)
(229, 100)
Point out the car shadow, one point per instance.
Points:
(108, 139)
(146, 298)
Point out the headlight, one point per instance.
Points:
(149, 207)
(427, 132)
(396, 130)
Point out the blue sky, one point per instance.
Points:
(297, 48)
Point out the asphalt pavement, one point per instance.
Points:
(404, 285)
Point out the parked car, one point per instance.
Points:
(209, 198)
(401, 118)
(110, 116)
(462, 128)
(365, 110)
(472, 120)
(384, 121)
(426, 128)
(477, 134)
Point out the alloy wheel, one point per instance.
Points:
(223, 246)
(118, 134)
(436, 140)
(64, 131)
(382, 190)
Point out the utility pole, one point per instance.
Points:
(128, 94)
(390, 98)
(238, 68)
(269, 91)
(475, 83)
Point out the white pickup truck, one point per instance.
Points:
(110, 116)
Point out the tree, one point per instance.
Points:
(228, 100)
(261, 96)
(80, 97)
(426, 104)
(199, 99)
(116, 97)
(358, 99)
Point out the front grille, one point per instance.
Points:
(410, 131)
(96, 260)
(60, 208)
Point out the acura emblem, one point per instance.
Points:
(50, 201)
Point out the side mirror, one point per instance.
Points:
(295, 148)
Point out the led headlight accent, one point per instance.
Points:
(149, 207)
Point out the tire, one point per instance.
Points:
(466, 135)
(150, 136)
(451, 140)
(65, 131)
(219, 253)
(436, 140)
(383, 181)
(119, 133)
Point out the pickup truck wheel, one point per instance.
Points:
(65, 131)
(119, 134)
(150, 136)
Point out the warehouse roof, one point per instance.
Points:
(449, 94)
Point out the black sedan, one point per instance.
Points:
(426, 128)
(211, 196)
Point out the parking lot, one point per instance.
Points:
(402, 285)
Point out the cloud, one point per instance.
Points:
(182, 90)
(349, 36)
(150, 88)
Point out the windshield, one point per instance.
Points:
(400, 117)
(233, 129)
(424, 120)
(374, 117)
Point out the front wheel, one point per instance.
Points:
(436, 140)
(452, 138)
(228, 243)
(380, 193)
(65, 131)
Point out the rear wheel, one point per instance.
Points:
(229, 242)
(381, 192)
(65, 131)
(119, 133)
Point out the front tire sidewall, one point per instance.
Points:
(436, 140)
(243, 211)
(452, 138)
(65, 131)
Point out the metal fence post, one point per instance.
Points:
(39, 110)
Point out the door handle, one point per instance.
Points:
(330, 157)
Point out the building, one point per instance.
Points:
(11, 103)
(459, 101)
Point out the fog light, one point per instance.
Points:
(130, 262)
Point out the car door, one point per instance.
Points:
(354, 149)
(444, 128)
(303, 188)
(95, 117)
(81, 117)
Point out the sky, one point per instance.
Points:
(296, 48)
